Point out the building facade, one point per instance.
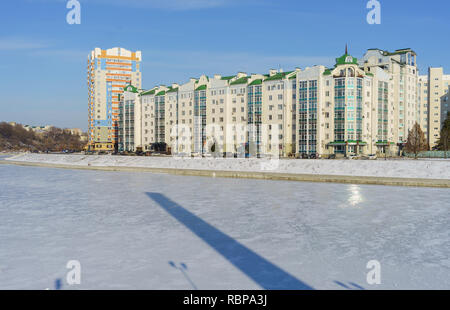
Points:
(108, 72)
(359, 106)
(433, 102)
(129, 137)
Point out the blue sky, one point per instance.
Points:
(43, 59)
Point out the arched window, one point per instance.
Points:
(351, 72)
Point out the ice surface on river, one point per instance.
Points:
(322, 234)
(429, 169)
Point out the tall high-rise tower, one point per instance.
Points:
(108, 72)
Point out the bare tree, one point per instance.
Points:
(15, 137)
(416, 141)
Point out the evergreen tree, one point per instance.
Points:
(444, 139)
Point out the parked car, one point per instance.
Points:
(352, 156)
(332, 156)
(313, 156)
(304, 156)
(369, 157)
(372, 156)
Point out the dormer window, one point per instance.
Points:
(349, 59)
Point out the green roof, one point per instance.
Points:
(242, 80)
(397, 52)
(130, 88)
(327, 72)
(202, 87)
(148, 92)
(400, 51)
(346, 59)
(278, 76)
(256, 82)
(163, 92)
(227, 77)
(369, 74)
(275, 77)
(172, 90)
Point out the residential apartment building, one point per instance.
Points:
(108, 72)
(363, 106)
(401, 68)
(130, 120)
(434, 102)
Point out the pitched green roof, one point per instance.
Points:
(327, 72)
(242, 80)
(130, 88)
(275, 77)
(256, 82)
(202, 87)
(278, 76)
(172, 90)
(346, 59)
(163, 92)
(148, 92)
(227, 77)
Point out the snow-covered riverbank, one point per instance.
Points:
(420, 169)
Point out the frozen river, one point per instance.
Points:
(155, 231)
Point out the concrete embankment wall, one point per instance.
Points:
(417, 173)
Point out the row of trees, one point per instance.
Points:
(17, 138)
(417, 142)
